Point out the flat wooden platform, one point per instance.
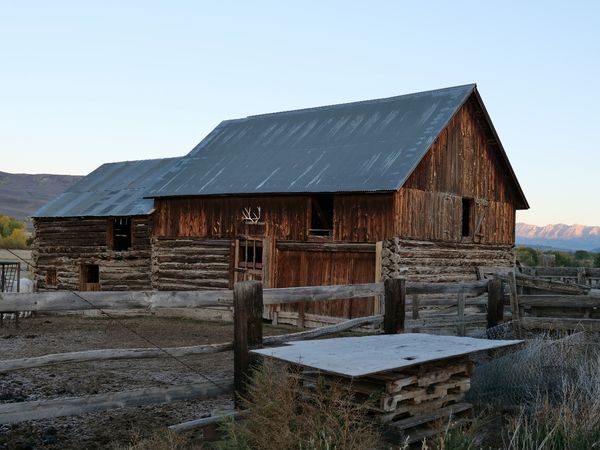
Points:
(365, 355)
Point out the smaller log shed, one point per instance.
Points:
(417, 185)
(96, 235)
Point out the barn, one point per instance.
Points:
(417, 185)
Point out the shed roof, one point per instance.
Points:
(113, 189)
(366, 146)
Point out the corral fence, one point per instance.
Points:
(584, 276)
(399, 299)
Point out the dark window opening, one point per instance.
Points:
(121, 233)
(467, 208)
(250, 254)
(321, 217)
(51, 277)
(91, 273)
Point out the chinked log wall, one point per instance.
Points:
(180, 264)
(440, 261)
(64, 244)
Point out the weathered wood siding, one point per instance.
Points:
(357, 218)
(463, 162)
(441, 261)
(64, 244)
(190, 264)
(308, 265)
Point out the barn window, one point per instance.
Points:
(467, 212)
(250, 254)
(321, 217)
(50, 277)
(121, 233)
(91, 273)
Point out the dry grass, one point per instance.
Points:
(161, 440)
(281, 417)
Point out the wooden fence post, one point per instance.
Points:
(461, 303)
(495, 306)
(247, 332)
(395, 304)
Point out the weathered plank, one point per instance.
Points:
(560, 301)
(71, 301)
(552, 323)
(44, 409)
(395, 305)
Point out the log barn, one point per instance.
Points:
(417, 185)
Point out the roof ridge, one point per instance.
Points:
(358, 102)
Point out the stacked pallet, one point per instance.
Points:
(412, 403)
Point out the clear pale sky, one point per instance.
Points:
(88, 82)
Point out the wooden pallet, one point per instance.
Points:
(415, 429)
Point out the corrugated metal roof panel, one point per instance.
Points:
(356, 147)
(114, 189)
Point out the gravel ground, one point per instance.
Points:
(41, 335)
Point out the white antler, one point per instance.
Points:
(249, 217)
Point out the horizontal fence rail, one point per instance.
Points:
(45, 409)
(123, 300)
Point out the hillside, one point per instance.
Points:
(570, 237)
(23, 194)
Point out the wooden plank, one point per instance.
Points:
(560, 301)
(281, 296)
(395, 305)
(45, 409)
(119, 300)
(325, 247)
(206, 421)
(377, 305)
(247, 332)
(552, 286)
(110, 354)
(469, 288)
(551, 323)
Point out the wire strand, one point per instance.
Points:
(131, 330)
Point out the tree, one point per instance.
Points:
(13, 233)
(581, 255)
(597, 260)
(564, 259)
(528, 256)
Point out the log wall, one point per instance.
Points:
(191, 264)
(63, 245)
(441, 261)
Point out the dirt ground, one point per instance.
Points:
(41, 335)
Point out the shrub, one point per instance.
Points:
(281, 416)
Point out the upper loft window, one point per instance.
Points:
(120, 233)
(321, 217)
(467, 217)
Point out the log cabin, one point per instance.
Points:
(96, 235)
(417, 185)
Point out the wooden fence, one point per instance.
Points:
(578, 275)
(248, 300)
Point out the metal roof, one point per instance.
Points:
(356, 147)
(113, 189)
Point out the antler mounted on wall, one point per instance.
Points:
(248, 216)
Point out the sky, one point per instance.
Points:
(84, 83)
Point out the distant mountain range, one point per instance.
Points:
(559, 236)
(22, 194)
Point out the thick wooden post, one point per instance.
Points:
(495, 306)
(461, 303)
(395, 304)
(247, 332)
